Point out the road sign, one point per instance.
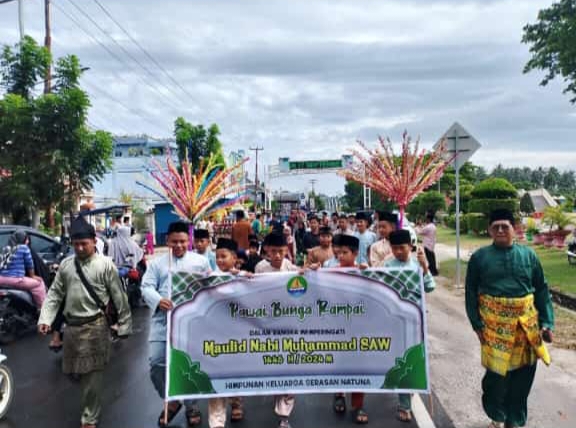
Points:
(459, 141)
(316, 164)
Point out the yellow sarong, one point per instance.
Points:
(511, 333)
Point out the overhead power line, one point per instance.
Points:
(120, 103)
(143, 50)
(122, 48)
(110, 52)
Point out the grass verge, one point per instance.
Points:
(565, 331)
(560, 275)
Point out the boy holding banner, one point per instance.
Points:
(401, 246)
(226, 256)
(156, 291)
(276, 249)
(347, 255)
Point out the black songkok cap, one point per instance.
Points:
(336, 240)
(81, 229)
(387, 216)
(325, 230)
(275, 240)
(399, 237)
(178, 227)
(502, 214)
(228, 244)
(363, 215)
(201, 234)
(349, 241)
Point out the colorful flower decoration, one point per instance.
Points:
(197, 194)
(398, 178)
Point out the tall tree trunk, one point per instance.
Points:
(49, 217)
(35, 218)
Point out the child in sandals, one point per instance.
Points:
(402, 249)
(226, 257)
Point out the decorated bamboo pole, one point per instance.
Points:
(398, 178)
(194, 194)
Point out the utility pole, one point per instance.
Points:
(21, 18)
(47, 45)
(256, 149)
(312, 200)
(313, 182)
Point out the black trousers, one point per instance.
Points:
(431, 257)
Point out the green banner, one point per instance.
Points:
(327, 331)
(316, 164)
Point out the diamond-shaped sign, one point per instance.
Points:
(459, 141)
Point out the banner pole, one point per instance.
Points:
(167, 376)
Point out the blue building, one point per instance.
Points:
(131, 163)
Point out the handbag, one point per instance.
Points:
(108, 310)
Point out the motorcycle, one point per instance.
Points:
(131, 280)
(6, 386)
(18, 314)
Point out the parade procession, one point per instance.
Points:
(269, 214)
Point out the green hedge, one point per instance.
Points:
(450, 221)
(477, 223)
(494, 188)
(485, 206)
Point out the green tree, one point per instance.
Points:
(354, 199)
(44, 141)
(431, 201)
(198, 142)
(319, 204)
(552, 44)
(552, 179)
(23, 66)
(526, 204)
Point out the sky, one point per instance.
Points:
(307, 79)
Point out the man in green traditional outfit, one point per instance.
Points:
(87, 340)
(508, 304)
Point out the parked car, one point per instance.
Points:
(48, 248)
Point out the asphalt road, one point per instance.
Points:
(45, 398)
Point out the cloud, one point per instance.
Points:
(307, 79)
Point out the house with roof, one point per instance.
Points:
(541, 199)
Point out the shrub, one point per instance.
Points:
(555, 216)
(485, 206)
(450, 222)
(494, 188)
(477, 223)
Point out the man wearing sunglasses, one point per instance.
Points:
(508, 304)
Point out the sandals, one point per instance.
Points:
(237, 414)
(171, 415)
(494, 424)
(360, 417)
(339, 404)
(193, 417)
(404, 415)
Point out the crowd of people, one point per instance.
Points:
(505, 287)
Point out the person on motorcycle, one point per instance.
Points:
(18, 269)
(123, 250)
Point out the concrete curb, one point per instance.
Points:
(423, 418)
